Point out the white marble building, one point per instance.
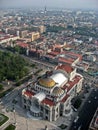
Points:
(50, 96)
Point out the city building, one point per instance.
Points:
(63, 57)
(23, 33)
(42, 29)
(7, 38)
(49, 97)
(83, 66)
(35, 36)
(94, 122)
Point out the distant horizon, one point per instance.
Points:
(48, 8)
(64, 4)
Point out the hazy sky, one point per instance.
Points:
(91, 4)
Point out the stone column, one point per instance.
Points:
(50, 114)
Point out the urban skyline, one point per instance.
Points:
(49, 65)
(74, 4)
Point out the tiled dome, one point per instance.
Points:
(47, 82)
(57, 91)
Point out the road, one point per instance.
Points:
(84, 117)
(34, 60)
(12, 95)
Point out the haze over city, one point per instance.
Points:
(48, 64)
(84, 4)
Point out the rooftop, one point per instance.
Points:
(66, 68)
(65, 98)
(28, 93)
(54, 53)
(21, 44)
(47, 82)
(70, 84)
(48, 102)
(65, 60)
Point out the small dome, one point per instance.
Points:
(47, 82)
(57, 91)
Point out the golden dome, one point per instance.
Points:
(47, 82)
(58, 91)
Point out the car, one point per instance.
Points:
(76, 119)
(95, 97)
(89, 101)
(74, 109)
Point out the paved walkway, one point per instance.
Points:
(22, 122)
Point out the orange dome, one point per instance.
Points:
(47, 82)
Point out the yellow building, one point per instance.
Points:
(35, 36)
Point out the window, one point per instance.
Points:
(25, 106)
(28, 108)
(46, 117)
(29, 102)
(24, 100)
(67, 103)
(57, 109)
(41, 108)
(46, 111)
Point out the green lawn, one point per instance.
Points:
(10, 127)
(3, 119)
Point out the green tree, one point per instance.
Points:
(12, 67)
(1, 87)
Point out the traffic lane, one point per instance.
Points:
(88, 111)
(84, 121)
(86, 114)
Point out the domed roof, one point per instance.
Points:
(47, 82)
(57, 91)
(59, 78)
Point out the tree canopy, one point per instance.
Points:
(55, 28)
(12, 67)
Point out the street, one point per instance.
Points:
(84, 117)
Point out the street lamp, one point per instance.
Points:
(27, 124)
(14, 114)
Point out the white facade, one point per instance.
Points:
(5, 40)
(59, 78)
(50, 97)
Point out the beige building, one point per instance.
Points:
(23, 33)
(35, 36)
(42, 29)
(8, 38)
(50, 96)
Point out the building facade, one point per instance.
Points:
(94, 122)
(35, 36)
(49, 97)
